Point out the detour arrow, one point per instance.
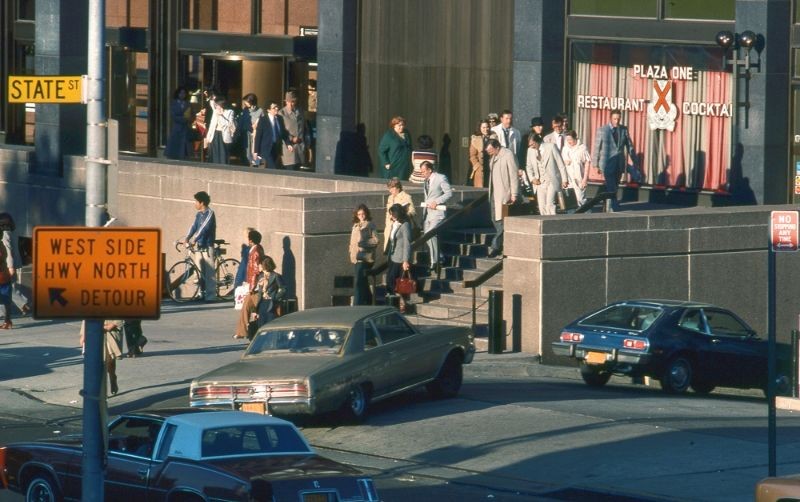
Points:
(55, 296)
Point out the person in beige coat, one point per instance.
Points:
(478, 158)
(363, 241)
(397, 196)
(503, 188)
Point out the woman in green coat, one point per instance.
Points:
(394, 150)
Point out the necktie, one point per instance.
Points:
(274, 130)
(616, 136)
(560, 141)
(505, 133)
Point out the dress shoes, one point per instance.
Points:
(6, 325)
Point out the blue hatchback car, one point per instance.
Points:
(682, 344)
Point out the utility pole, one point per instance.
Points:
(94, 394)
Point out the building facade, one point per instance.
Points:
(711, 123)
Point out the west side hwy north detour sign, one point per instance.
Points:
(96, 273)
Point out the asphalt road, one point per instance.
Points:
(518, 431)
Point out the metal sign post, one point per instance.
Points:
(783, 237)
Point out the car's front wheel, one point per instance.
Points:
(677, 375)
(594, 376)
(356, 404)
(42, 488)
(448, 381)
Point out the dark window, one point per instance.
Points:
(629, 317)
(616, 8)
(707, 9)
(169, 433)
(724, 324)
(134, 436)
(392, 327)
(370, 338)
(26, 9)
(252, 440)
(693, 320)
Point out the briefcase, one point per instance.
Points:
(567, 200)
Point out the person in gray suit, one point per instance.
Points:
(437, 192)
(546, 170)
(608, 155)
(399, 249)
(503, 189)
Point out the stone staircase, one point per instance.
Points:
(444, 299)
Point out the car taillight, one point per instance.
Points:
(635, 344)
(567, 336)
(212, 392)
(3, 473)
(289, 390)
(367, 488)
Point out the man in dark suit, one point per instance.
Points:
(608, 155)
(270, 135)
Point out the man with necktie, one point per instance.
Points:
(556, 137)
(270, 136)
(508, 135)
(611, 144)
(437, 192)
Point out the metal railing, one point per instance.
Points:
(477, 282)
(434, 232)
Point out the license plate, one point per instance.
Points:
(319, 497)
(595, 358)
(254, 408)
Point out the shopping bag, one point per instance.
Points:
(239, 294)
(405, 285)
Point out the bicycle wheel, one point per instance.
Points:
(226, 278)
(184, 281)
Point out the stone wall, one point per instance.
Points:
(565, 266)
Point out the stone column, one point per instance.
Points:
(336, 77)
(760, 173)
(538, 81)
(61, 49)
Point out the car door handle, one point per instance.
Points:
(715, 340)
(142, 473)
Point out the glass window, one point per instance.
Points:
(169, 433)
(252, 440)
(301, 340)
(26, 9)
(370, 338)
(724, 324)
(134, 436)
(617, 8)
(693, 320)
(629, 317)
(392, 327)
(707, 9)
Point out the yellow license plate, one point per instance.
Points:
(595, 358)
(317, 497)
(254, 407)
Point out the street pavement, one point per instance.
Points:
(519, 428)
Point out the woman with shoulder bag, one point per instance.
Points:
(399, 251)
(272, 291)
(363, 241)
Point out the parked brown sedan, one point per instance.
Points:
(188, 455)
(337, 358)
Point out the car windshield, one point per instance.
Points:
(252, 440)
(627, 317)
(298, 340)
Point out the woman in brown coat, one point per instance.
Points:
(478, 158)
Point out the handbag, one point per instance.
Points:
(239, 294)
(405, 285)
(567, 200)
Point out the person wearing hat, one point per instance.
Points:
(493, 119)
(295, 124)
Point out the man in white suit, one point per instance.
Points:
(437, 192)
(547, 173)
(556, 136)
(508, 135)
(503, 188)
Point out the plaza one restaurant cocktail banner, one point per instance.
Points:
(675, 101)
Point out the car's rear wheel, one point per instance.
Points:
(448, 381)
(677, 376)
(42, 488)
(594, 376)
(356, 405)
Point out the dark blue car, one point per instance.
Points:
(682, 344)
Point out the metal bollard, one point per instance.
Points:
(495, 322)
(516, 323)
(289, 305)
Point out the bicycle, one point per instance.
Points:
(186, 282)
